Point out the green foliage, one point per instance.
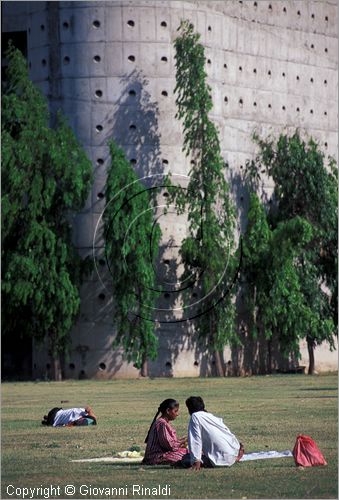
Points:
(211, 218)
(131, 244)
(45, 177)
(301, 258)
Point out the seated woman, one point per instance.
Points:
(58, 417)
(163, 446)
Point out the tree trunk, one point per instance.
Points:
(56, 368)
(144, 368)
(218, 364)
(310, 347)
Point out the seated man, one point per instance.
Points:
(210, 442)
(58, 417)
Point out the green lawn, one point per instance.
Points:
(265, 413)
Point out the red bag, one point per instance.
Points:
(307, 453)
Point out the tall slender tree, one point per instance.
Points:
(211, 217)
(46, 176)
(131, 243)
(305, 189)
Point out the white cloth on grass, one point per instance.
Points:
(209, 435)
(64, 417)
(260, 455)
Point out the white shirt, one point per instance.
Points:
(64, 417)
(209, 435)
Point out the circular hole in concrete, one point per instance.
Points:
(326, 18)
(71, 366)
(299, 13)
(226, 99)
(98, 93)
(165, 194)
(164, 93)
(270, 7)
(100, 161)
(194, 295)
(100, 196)
(102, 262)
(312, 16)
(241, 102)
(131, 58)
(131, 23)
(168, 364)
(101, 296)
(209, 61)
(312, 46)
(311, 111)
(225, 66)
(298, 109)
(325, 82)
(283, 75)
(284, 10)
(240, 68)
(132, 127)
(254, 104)
(311, 80)
(196, 363)
(133, 161)
(255, 71)
(269, 72)
(66, 60)
(65, 25)
(326, 144)
(96, 58)
(325, 113)
(283, 108)
(269, 106)
(297, 78)
(165, 161)
(167, 262)
(102, 366)
(99, 128)
(209, 28)
(164, 59)
(96, 24)
(326, 49)
(163, 24)
(167, 295)
(132, 93)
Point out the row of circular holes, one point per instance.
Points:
(241, 102)
(133, 161)
(96, 24)
(255, 4)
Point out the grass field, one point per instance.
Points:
(265, 413)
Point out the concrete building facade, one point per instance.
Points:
(110, 67)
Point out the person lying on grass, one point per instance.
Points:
(210, 442)
(57, 417)
(163, 446)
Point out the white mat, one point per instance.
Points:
(260, 455)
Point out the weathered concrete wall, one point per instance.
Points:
(110, 66)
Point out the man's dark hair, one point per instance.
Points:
(195, 403)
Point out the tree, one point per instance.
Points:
(305, 189)
(131, 242)
(211, 215)
(46, 177)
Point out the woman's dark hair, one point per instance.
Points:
(195, 403)
(167, 404)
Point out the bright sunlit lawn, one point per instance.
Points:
(265, 413)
